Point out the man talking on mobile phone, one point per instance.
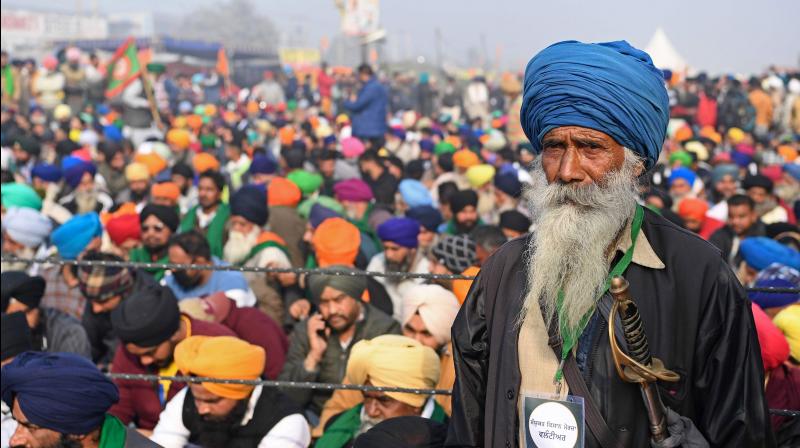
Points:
(320, 345)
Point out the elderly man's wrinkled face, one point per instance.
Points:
(398, 258)
(379, 407)
(576, 155)
(679, 188)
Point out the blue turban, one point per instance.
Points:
(62, 392)
(75, 172)
(776, 275)
(74, 235)
(46, 172)
(610, 87)
(402, 231)
(509, 184)
(426, 145)
(112, 133)
(320, 213)
(329, 140)
(250, 202)
(428, 216)
(721, 171)
(793, 169)
(263, 165)
(414, 193)
(683, 173)
(741, 159)
(759, 252)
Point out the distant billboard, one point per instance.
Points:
(359, 17)
(299, 57)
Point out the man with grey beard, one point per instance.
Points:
(596, 114)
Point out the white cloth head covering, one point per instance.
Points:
(436, 306)
(27, 226)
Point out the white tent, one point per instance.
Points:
(664, 54)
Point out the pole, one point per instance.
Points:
(148, 91)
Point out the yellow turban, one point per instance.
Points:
(395, 361)
(222, 357)
(136, 171)
(464, 158)
(736, 135)
(179, 138)
(788, 321)
(480, 175)
(154, 162)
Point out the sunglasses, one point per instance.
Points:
(154, 228)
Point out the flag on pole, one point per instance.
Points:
(222, 63)
(123, 68)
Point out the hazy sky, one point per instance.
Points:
(714, 35)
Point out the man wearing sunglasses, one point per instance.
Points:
(158, 223)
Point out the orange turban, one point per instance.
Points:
(137, 171)
(282, 191)
(128, 208)
(464, 158)
(178, 138)
(453, 140)
(286, 135)
(710, 133)
(252, 107)
(336, 241)
(168, 190)
(221, 357)
(461, 287)
(154, 162)
(683, 134)
(204, 161)
(195, 122)
(693, 208)
(788, 153)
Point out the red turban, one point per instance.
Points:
(123, 228)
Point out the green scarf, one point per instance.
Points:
(8, 80)
(113, 433)
(141, 255)
(215, 232)
(261, 246)
(346, 425)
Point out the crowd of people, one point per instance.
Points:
(352, 172)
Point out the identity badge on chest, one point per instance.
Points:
(548, 422)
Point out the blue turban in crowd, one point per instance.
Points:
(426, 145)
(401, 231)
(682, 173)
(320, 213)
(509, 184)
(720, 171)
(250, 202)
(46, 172)
(759, 252)
(793, 169)
(610, 87)
(112, 133)
(427, 215)
(263, 165)
(74, 235)
(776, 275)
(741, 159)
(76, 170)
(61, 392)
(414, 193)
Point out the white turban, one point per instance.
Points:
(27, 226)
(436, 306)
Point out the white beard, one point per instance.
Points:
(239, 245)
(574, 229)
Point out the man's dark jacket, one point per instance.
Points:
(697, 319)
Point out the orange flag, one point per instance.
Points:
(222, 63)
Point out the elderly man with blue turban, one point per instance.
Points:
(61, 399)
(535, 322)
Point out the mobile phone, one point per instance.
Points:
(321, 332)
